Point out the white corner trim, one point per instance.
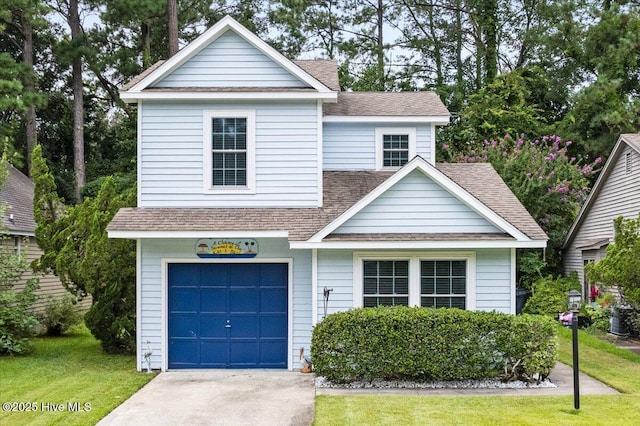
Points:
(320, 136)
(513, 273)
(139, 346)
(433, 147)
(418, 163)
(314, 287)
(139, 152)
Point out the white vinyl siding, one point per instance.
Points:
(619, 196)
(230, 61)
(352, 146)
(286, 160)
(153, 313)
(495, 286)
(416, 204)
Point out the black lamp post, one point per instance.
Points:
(575, 301)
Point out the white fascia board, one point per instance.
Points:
(198, 234)
(19, 233)
(418, 163)
(414, 245)
(438, 120)
(211, 35)
(132, 97)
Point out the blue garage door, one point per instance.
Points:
(227, 315)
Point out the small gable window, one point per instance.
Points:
(394, 147)
(628, 161)
(229, 145)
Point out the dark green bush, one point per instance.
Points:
(428, 344)
(550, 295)
(60, 314)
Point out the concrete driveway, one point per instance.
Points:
(220, 397)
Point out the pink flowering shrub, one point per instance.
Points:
(550, 184)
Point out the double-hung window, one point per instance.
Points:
(434, 280)
(386, 282)
(229, 151)
(394, 147)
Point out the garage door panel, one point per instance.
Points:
(272, 326)
(244, 352)
(213, 353)
(185, 352)
(213, 325)
(243, 300)
(213, 300)
(184, 299)
(272, 352)
(273, 300)
(242, 326)
(244, 274)
(229, 316)
(184, 325)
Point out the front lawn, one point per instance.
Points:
(617, 367)
(61, 372)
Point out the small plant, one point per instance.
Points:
(60, 314)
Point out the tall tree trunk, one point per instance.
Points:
(380, 46)
(27, 58)
(78, 105)
(145, 33)
(172, 24)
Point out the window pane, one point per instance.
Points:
(385, 282)
(370, 286)
(229, 144)
(370, 302)
(395, 150)
(440, 281)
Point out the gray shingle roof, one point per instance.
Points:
(17, 196)
(399, 104)
(342, 189)
(323, 70)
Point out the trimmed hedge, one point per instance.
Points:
(420, 344)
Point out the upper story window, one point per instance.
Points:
(395, 146)
(229, 151)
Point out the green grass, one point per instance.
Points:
(65, 370)
(617, 367)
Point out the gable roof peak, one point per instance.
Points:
(160, 70)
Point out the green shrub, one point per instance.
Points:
(60, 314)
(550, 295)
(429, 344)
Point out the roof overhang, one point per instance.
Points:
(438, 120)
(416, 245)
(134, 235)
(132, 97)
(593, 244)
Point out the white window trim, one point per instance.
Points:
(207, 157)
(381, 131)
(414, 259)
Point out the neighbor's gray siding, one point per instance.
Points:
(153, 313)
(352, 146)
(171, 170)
(416, 204)
(230, 61)
(619, 196)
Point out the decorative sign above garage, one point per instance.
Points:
(226, 248)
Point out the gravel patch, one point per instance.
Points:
(322, 382)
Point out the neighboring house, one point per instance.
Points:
(19, 228)
(615, 193)
(262, 188)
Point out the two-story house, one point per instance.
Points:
(267, 199)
